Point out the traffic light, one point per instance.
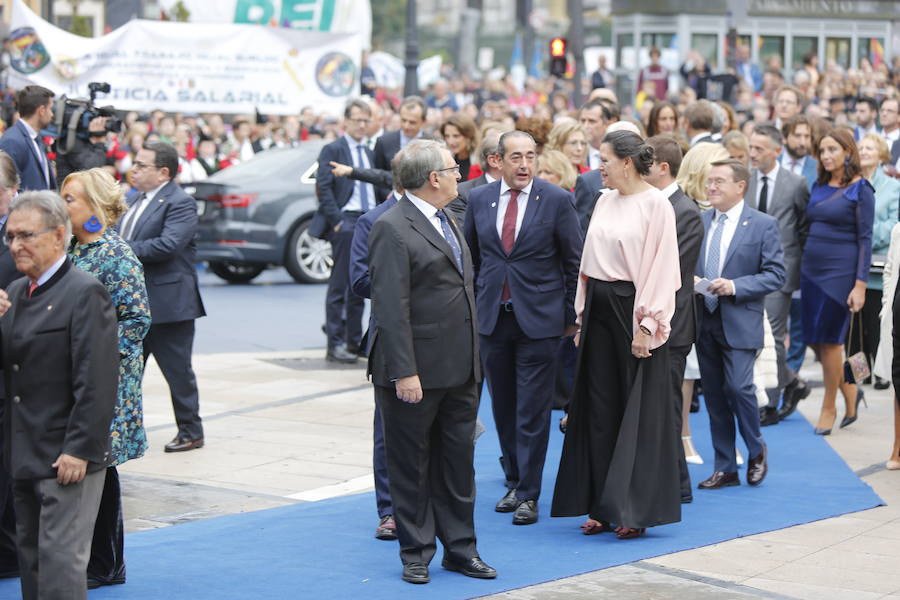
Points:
(558, 59)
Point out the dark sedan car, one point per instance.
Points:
(255, 215)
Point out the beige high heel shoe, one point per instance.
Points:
(892, 465)
(690, 453)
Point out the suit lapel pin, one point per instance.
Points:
(744, 224)
(49, 307)
(160, 200)
(493, 204)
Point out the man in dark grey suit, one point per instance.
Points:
(690, 237)
(412, 119)
(160, 226)
(61, 366)
(425, 366)
(777, 191)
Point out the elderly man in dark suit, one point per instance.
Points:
(160, 226)
(779, 192)
(341, 202)
(742, 261)
(662, 175)
(61, 366)
(526, 249)
(23, 142)
(425, 366)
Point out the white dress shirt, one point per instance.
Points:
(504, 202)
(771, 175)
(594, 160)
(731, 224)
(670, 189)
(794, 165)
(33, 135)
(46, 275)
(429, 211)
(137, 209)
(892, 136)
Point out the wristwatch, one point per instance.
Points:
(645, 331)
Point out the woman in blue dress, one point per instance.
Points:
(835, 268)
(95, 202)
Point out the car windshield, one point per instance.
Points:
(281, 163)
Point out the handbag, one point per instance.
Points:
(878, 261)
(856, 367)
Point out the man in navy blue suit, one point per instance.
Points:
(160, 226)
(526, 249)
(341, 202)
(23, 142)
(742, 260)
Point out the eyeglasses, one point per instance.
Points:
(142, 165)
(24, 236)
(454, 169)
(711, 183)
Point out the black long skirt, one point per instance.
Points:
(619, 461)
(107, 563)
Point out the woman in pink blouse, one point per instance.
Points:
(618, 463)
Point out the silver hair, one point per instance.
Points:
(718, 121)
(421, 158)
(49, 204)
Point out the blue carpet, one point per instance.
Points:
(325, 549)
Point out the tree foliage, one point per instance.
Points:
(388, 22)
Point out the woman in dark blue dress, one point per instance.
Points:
(835, 268)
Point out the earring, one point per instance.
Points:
(93, 225)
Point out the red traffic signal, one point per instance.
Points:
(558, 47)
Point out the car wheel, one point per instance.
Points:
(236, 272)
(308, 259)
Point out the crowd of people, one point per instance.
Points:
(617, 259)
(633, 254)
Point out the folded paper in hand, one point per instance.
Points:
(701, 286)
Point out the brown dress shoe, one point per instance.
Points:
(179, 444)
(757, 468)
(719, 480)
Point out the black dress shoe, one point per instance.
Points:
(508, 503)
(719, 480)
(881, 384)
(768, 416)
(795, 391)
(97, 582)
(526, 513)
(416, 573)
(9, 572)
(473, 567)
(757, 468)
(183, 444)
(687, 499)
(340, 354)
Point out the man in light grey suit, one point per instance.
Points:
(784, 195)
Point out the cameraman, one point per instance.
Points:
(85, 154)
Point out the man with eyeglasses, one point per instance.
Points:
(741, 262)
(788, 103)
(526, 250)
(160, 226)
(341, 202)
(61, 364)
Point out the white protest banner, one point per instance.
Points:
(182, 67)
(390, 72)
(335, 16)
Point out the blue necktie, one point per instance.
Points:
(451, 238)
(712, 261)
(363, 187)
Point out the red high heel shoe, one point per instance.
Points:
(628, 533)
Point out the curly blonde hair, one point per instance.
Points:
(695, 167)
(557, 162)
(103, 193)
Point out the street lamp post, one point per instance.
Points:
(411, 60)
(576, 44)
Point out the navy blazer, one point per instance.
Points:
(163, 240)
(19, 146)
(754, 262)
(895, 152)
(542, 269)
(386, 147)
(587, 189)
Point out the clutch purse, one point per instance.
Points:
(856, 368)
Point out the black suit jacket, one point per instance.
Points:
(18, 145)
(895, 152)
(587, 190)
(690, 238)
(61, 365)
(163, 240)
(424, 306)
(386, 147)
(8, 271)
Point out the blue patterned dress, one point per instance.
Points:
(111, 260)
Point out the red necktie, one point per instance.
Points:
(508, 232)
(31, 287)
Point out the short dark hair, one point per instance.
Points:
(501, 144)
(165, 156)
(415, 102)
(666, 149)
(357, 103)
(596, 103)
(791, 124)
(770, 131)
(237, 124)
(867, 100)
(886, 100)
(626, 144)
(700, 115)
(30, 98)
(739, 171)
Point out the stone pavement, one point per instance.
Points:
(288, 427)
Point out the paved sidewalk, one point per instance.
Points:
(288, 427)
